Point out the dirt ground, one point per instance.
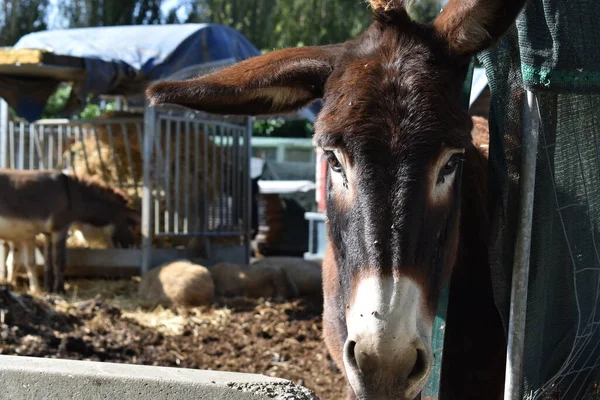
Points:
(101, 321)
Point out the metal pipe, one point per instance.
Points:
(12, 152)
(149, 125)
(82, 137)
(205, 197)
(3, 133)
(32, 136)
(140, 141)
(130, 164)
(213, 173)
(116, 159)
(21, 145)
(236, 159)
(520, 278)
(50, 148)
(248, 188)
(177, 184)
(70, 140)
(186, 179)
(168, 210)
(196, 183)
(38, 140)
(222, 177)
(60, 131)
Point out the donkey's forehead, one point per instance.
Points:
(373, 102)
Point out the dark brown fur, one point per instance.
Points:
(391, 107)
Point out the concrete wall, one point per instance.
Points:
(52, 379)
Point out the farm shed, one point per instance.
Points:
(187, 172)
(544, 185)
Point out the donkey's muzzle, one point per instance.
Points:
(394, 374)
(387, 353)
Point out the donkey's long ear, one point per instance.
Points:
(277, 82)
(470, 26)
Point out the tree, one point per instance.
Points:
(425, 10)
(271, 24)
(84, 13)
(20, 17)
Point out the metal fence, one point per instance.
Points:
(194, 168)
(108, 148)
(196, 180)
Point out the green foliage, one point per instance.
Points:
(271, 24)
(277, 127)
(56, 102)
(20, 17)
(424, 10)
(83, 13)
(59, 98)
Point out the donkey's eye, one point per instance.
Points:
(450, 166)
(334, 163)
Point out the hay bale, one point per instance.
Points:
(303, 276)
(179, 283)
(83, 236)
(88, 236)
(232, 280)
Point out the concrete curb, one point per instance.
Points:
(53, 379)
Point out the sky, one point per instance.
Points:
(55, 21)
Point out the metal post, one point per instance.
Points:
(3, 134)
(3, 164)
(118, 103)
(248, 189)
(149, 126)
(518, 300)
(280, 153)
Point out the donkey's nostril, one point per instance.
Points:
(358, 360)
(420, 367)
(349, 356)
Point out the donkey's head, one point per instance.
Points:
(105, 208)
(394, 134)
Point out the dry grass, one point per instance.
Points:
(123, 293)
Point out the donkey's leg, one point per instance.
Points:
(48, 261)
(59, 244)
(28, 258)
(3, 257)
(13, 262)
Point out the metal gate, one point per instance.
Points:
(196, 183)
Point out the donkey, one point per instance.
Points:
(49, 202)
(406, 201)
(21, 254)
(26, 254)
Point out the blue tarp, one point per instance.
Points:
(113, 55)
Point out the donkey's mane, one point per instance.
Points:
(102, 189)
